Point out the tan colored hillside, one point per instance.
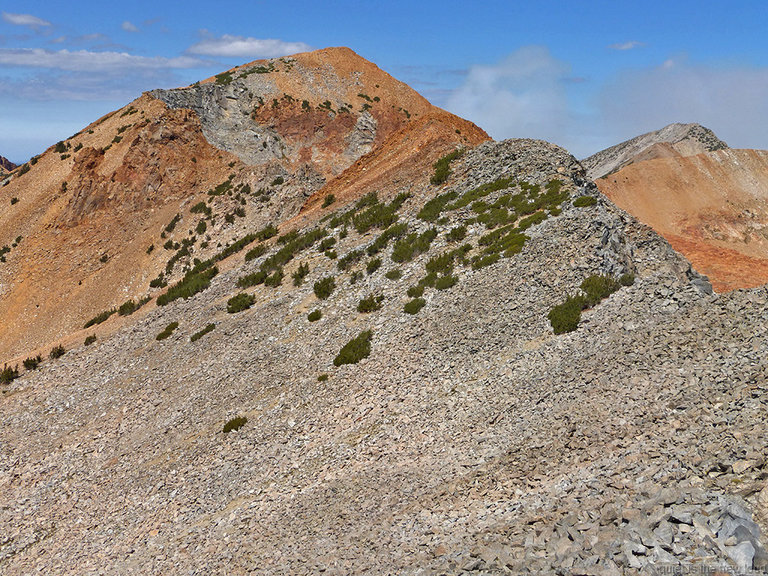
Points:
(712, 207)
(268, 134)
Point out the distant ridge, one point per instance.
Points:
(671, 141)
(6, 165)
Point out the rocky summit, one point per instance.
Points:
(483, 366)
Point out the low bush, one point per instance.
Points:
(255, 252)
(432, 209)
(457, 234)
(192, 283)
(373, 265)
(445, 282)
(99, 318)
(583, 201)
(598, 287)
(443, 167)
(412, 245)
(197, 335)
(90, 339)
(328, 200)
(370, 303)
(324, 288)
(627, 279)
(565, 317)
(315, 315)
(167, 331)
(8, 374)
(394, 274)
(416, 291)
(300, 273)
(322, 378)
(32, 363)
(240, 302)
(413, 306)
(235, 424)
(57, 352)
(275, 279)
(355, 350)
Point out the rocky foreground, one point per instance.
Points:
(471, 440)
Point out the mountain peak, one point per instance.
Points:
(673, 140)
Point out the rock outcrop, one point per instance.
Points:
(6, 165)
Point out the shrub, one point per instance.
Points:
(443, 167)
(413, 306)
(197, 335)
(127, 308)
(57, 352)
(192, 283)
(201, 208)
(99, 318)
(201, 227)
(326, 244)
(457, 234)
(445, 282)
(324, 288)
(583, 201)
(277, 181)
(322, 378)
(267, 232)
(14, 200)
(394, 274)
(627, 279)
(355, 350)
(300, 273)
(235, 424)
(393, 232)
(328, 200)
(32, 363)
(565, 317)
(167, 331)
(597, 288)
(90, 339)
(241, 302)
(8, 374)
(412, 245)
(373, 265)
(315, 315)
(275, 279)
(370, 303)
(432, 209)
(255, 252)
(172, 224)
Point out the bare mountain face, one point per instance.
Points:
(709, 201)
(99, 214)
(6, 165)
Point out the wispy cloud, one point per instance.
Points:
(25, 20)
(85, 60)
(240, 46)
(631, 45)
(129, 26)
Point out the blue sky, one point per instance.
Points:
(583, 74)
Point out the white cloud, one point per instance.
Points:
(731, 101)
(84, 60)
(523, 96)
(239, 46)
(626, 45)
(129, 27)
(25, 20)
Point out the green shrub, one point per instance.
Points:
(32, 362)
(565, 317)
(598, 287)
(127, 308)
(322, 378)
(8, 374)
(328, 200)
(324, 288)
(443, 167)
(240, 302)
(326, 244)
(583, 201)
(14, 200)
(416, 291)
(57, 352)
(445, 282)
(197, 335)
(90, 339)
(267, 232)
(355, 350)
(300, 273)
(457, 234)
(167, 331)
(99, 318)
(201, 227)
(432, 209)
(158, 282)
(201, 208)
(627, 279)
(315, 315)
(373, 265)
(485, 260)
(412, 245)
(355, 276)
(255, 252)
(413, 306)
(370, 303)
(393, 232)
(192, 283)
(394, 274)
(172, 224)
(235, 424)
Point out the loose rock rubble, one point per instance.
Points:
(472, 440)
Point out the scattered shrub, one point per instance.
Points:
(252, 279)
(627, 279)
(201, 227)
(322, 378)
(193, 282)
(98, 319)
(255, 252)
(355, 350)
(412, 245)
(300, 273)
(443, 167)
(14, 200)
(457, 234)
(90, 339)
(8, 374)
(32, 362)
(583, 201)
(597, 288)
(328, 200)
(57, 352)
(241, 302)
(235, 424)
(394, 274)
(432, 209)
(565, 317)
(373, 265)
(370, 303)
(197, 335)
(315, 315)
(394, 232)
(167, 331)
(413, 306)
(445, 282)
(277, 181)
(201, 208)
(324, 288)
(127, 308)
(172, 224)
(416, 291)
(275, 279)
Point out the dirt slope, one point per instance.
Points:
(712, 207)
